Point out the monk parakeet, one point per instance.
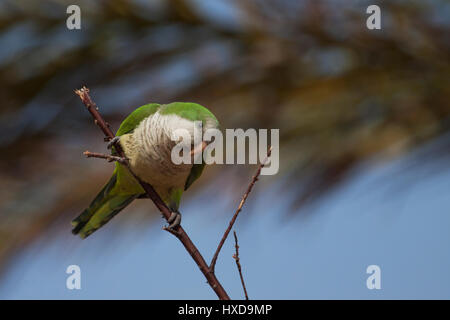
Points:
(146, 139)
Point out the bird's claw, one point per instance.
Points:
(174, 220)
(112, 142)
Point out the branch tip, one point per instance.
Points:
(238, 264)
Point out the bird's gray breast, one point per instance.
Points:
(154, 144)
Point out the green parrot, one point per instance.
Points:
(145, 137)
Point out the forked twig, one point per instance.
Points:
(241, 204)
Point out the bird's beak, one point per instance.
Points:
(199, 148)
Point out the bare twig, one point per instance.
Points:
(238, 264)
(83, 93)
(233, 219)
(108, 157)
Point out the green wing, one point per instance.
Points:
(195, 173)
(133, 120)
(109, 202)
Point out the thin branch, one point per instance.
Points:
(108, 157)
(83, 93)
(238, 264)
(233, 219)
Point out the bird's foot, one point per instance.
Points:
(121, 160)
(112, 142)
(174, 220)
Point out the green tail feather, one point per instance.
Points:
(104, 207)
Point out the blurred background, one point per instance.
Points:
(364, 146)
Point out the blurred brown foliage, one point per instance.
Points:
(339, 93)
